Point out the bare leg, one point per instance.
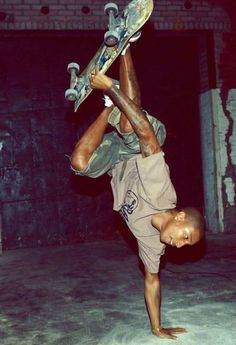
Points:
(129, 85)
(90, 140)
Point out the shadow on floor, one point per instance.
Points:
(92, 293)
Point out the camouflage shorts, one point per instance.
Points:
(117, 146)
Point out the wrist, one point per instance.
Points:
(110, 89)
(108, 84)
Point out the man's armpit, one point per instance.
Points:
(148, 149)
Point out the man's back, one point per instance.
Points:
(141, 188)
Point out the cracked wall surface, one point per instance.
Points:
(220, 182)
(45, 194)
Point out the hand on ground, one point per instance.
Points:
(100, 81)
(168, 333)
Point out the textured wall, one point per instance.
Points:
(88, 15)
(227, 125)
(208, 161)
(218, 143)
(217, 16)
(41, 203)
(40, 197)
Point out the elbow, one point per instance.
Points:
(79, 162)
(146, 130)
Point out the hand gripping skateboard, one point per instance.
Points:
(121, 28)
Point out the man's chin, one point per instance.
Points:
(163, 240)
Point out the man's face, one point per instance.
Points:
(179, 233)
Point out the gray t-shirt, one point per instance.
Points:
(141, 188)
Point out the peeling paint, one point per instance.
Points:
(228, 97)
(227, 100)
(230, 191)
(221, 124)
(231, 107)
(219, 115)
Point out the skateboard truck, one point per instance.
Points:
(71, 94)
(111, 36)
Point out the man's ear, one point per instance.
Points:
(180, 216)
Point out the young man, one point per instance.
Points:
(142, 189)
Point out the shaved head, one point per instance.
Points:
(194, 218)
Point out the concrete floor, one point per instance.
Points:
(92, 293)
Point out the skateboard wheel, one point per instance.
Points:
(73, 66)
(111, 6)
(71, 95)
(111, 38)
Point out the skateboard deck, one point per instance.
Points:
(124, 26)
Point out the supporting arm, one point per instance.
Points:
(152, 292)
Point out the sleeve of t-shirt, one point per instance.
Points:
(155, 185)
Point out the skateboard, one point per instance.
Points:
(122, 26)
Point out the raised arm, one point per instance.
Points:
(140, 124)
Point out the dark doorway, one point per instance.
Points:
(168, 71)
(36, 190)
(167, 67)
(39, 203)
